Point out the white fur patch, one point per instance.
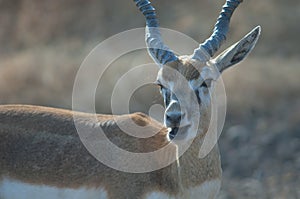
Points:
(207, 190)
(11, 189)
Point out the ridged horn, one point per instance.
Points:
(207, 49)
(156, 47)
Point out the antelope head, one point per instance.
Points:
(185, 81)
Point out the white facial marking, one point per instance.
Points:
(187, 95)
(11, 189)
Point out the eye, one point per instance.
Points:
(160, 86)
(204, 85)
(165, 92)
(198, 96)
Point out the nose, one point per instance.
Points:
(173, 118)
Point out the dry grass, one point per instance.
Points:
(260, 143)
(39, 76)
(263, 83)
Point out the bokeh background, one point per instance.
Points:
(42, 44)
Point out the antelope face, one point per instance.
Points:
(184, 85)
(185, 81)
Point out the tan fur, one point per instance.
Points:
(185, 66)
(40, 145)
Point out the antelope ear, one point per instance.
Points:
(238, 51)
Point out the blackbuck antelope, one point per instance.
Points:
(42, 156)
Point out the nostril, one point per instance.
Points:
(173, 133)
(168, 117)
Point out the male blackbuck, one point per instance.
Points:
(42, 155)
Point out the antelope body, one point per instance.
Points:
(42, 156)
(40, 147)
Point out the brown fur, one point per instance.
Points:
(40, 145)
(185, 66)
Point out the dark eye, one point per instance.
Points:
(160, 86)
(204, 85)
(198, 96)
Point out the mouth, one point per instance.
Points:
(174, 131)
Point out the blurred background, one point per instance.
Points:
(43, 43)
